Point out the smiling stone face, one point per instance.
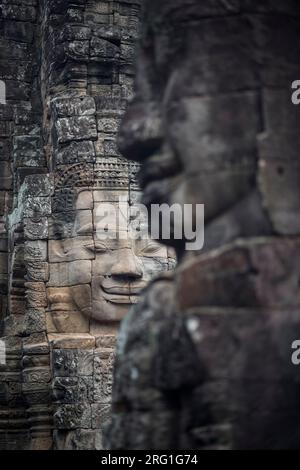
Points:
(108, 260)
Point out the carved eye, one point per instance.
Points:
(150, 249)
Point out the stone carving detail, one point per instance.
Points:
(68, 71)
(212, 122)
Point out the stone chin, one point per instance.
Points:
(110, 309)
(107, 311)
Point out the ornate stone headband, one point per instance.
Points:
(106, 173)
(110, 173)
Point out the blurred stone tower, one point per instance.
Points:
(211, 349)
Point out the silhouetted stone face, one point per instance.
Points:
(206, 362)
(67, 67)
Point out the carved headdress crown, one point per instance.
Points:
(106, 173)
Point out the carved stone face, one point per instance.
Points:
(105, 266)
(194, 146)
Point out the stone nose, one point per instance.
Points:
(140, 133)
(127, 266)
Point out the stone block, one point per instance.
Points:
(3, 264)
(72, 416)
(43, 442)
(103, 375)
(35, 251)
(5, 149)
(13, 325)
(37, 271)
(72, 390)
(34, 321)
(65, 390)
(5, 129)
(62, 224)
(38, 186)
(100, 415)
(77, 106)
(3, 242)
(106, 341)
(111, 148)
(36, 344)
(65, 321)
(28, 151)
(35, 360)
(10, 393)
(82, 298)
(72, 341)
(3, 202)
(17, 305)
(78, 439)
(71, 249)
(73, 32)
(108, 125)
(5, 176)
(75, 151)
(77, 50)
(17, 91)
(76, 128)
(22, 172)
(17, 12)
(70, 274)
(36, 228)
(85, 200)
(73, 362)
(38, 375)
(279, 173)
(13, 345)
(37, 207)
(101, 50)
(36, 294)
